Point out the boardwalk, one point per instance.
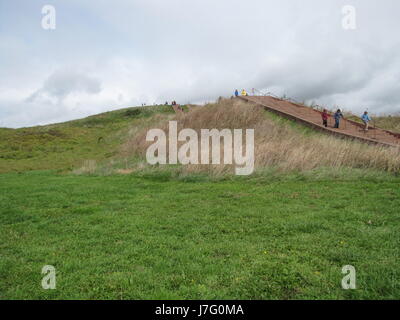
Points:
(312, 118)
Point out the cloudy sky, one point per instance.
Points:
(104, 54)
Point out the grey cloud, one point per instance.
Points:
(64, 82)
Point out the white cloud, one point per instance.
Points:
(106, 55)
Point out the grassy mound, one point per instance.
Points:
(314, 205)
(115, 142)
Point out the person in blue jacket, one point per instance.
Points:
(338, 115)
(236, 93)
(366, 119)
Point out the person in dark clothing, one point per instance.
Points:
(338, 115)
(325, 116)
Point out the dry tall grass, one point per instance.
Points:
(388, 122)
(277, 143)
(88, 167)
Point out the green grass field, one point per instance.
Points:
(155, 237)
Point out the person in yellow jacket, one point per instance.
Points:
(244, 93)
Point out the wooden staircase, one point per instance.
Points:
(312, 118)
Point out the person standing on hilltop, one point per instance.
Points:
(325, 116)
(338, 115)
(366, 119)
(236, 93)
(244, 93)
